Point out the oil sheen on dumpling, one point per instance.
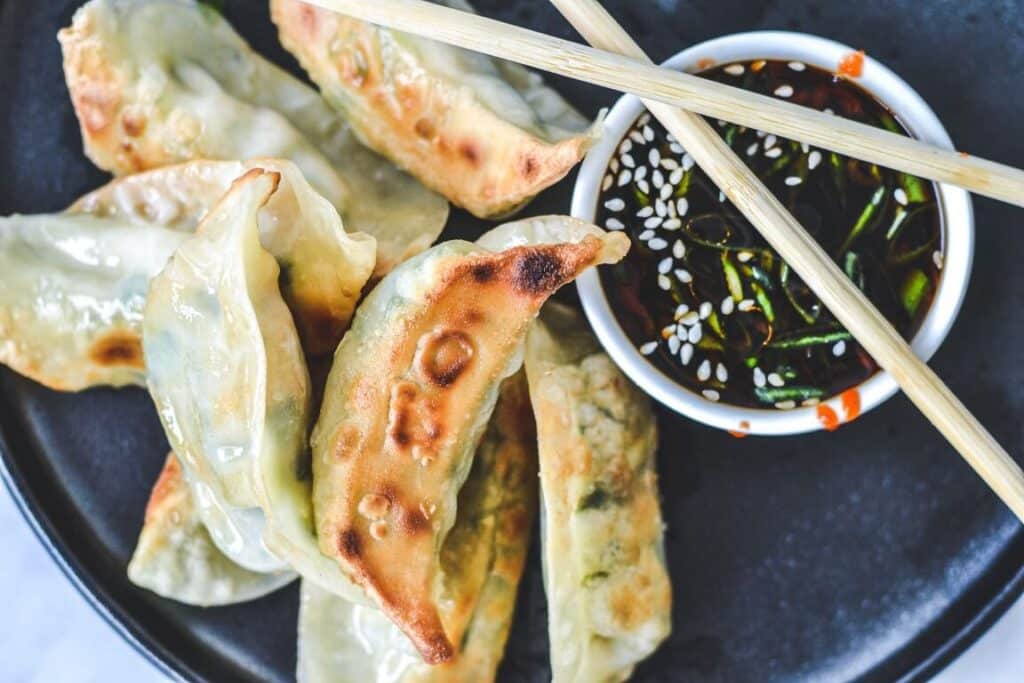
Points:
(158, 82)
(176, 558)
(608, 589)
(482, 561)
(487, 134)
(230, 384)
(410, 392)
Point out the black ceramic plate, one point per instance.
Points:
(871, 554)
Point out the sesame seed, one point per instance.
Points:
(614, 165)
(676, 176)
(687, 162)
(683, 205)
(676, 147)
(644, 119)
(704, 371)
(627, 161)
(648, 348)
(654, 156)
(660, 207)
(773, 153)
(721, 123)
(671, 138)
(797, 66)
(664, 282)
(722, 373)
(705, 310)
(686, 355)
(643, 186)
(839, 349)
(784, 91)
(615, 204)
(668, 331)
(666, 191)
(672, 223)
(710, 394)
(669, 164)
(653, 221)
(759, 378)
(648, 134)
(691, 318)
(682, 331)
(721, 197)
(684, 276)
(608, 180)
(696, 332)
(829, 110)
(775, 379)
(744, 256)
(804, 147)
(770, 141)
(674, 344)
(665, 265)
(657, 179)
(752, 150)
(657, 244)
(760, 133)
(645, 235)
(735, 69)
(681, 310)
(640, 173)
(900, 195)
(625, 177)
(813, 159)
(636, 136)
(728, 305)
(678, 249)
(672, 210)
(645, 212)
(811, 402)
(614, 224)
(937, 259)
(626, 146)
(746, 305)
(786, 405)
(793, 180)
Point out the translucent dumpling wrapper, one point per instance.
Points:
(608, 589)
(227, 374)
(409, 394)
(482, 561)
(485, 133)
(176, 558)
(159, 82)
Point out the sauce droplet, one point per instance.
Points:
(851, 404)
(852, 65)
(827, 417)
(743, 432)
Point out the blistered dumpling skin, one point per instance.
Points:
(176, 558)
(608, 589)
(160, 82)
(487, 134)
(482, 561)
(412, 386)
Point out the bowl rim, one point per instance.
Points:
(956, 219)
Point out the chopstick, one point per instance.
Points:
(804, 255)
(695, 94)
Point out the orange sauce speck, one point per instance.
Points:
(964, 154)
(851, 404)
(852, 65)
(742, 433)
(758, 65)
(827, 417)
(705, 63)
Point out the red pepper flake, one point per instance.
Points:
(758, 65)
(852, 65)
(743, 432)
(705, 63)
(827, 417)
(851, 404)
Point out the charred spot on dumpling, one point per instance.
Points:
(120, 347)
(349, 543)
(484, 272)
(470, 151)
(444, 355)
(170, 478)
(413, 521)
(412, 424)
(529, 167)
(538, 272)
(134, 123)
(425, 128)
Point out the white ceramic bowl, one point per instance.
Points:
(955, 211)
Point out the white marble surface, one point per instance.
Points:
(51, 634)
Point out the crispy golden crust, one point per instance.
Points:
(376, 478)
(427, 125)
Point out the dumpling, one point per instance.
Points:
(176, 558)
(75, 283)
(485, 133)
(608, 589)
(482, 561)
(227, 375)
(158, 82)
(410, 392)
(324, 268)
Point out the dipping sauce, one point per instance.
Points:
(704, 297)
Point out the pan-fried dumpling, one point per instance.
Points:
(176, 558)
(324, 268)
(482, 561)
(230, 385)
(158, 82)
(608, 589)
(485, 133)
(412, 386)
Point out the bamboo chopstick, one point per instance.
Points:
(695, 94)
(816, 268)
(796, 247)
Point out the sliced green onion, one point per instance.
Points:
(854, 269)
(773, 395)
(800, 341)
(914, 187)
(763, 301)
(913, 290)
(732, 278)
(865, 218)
